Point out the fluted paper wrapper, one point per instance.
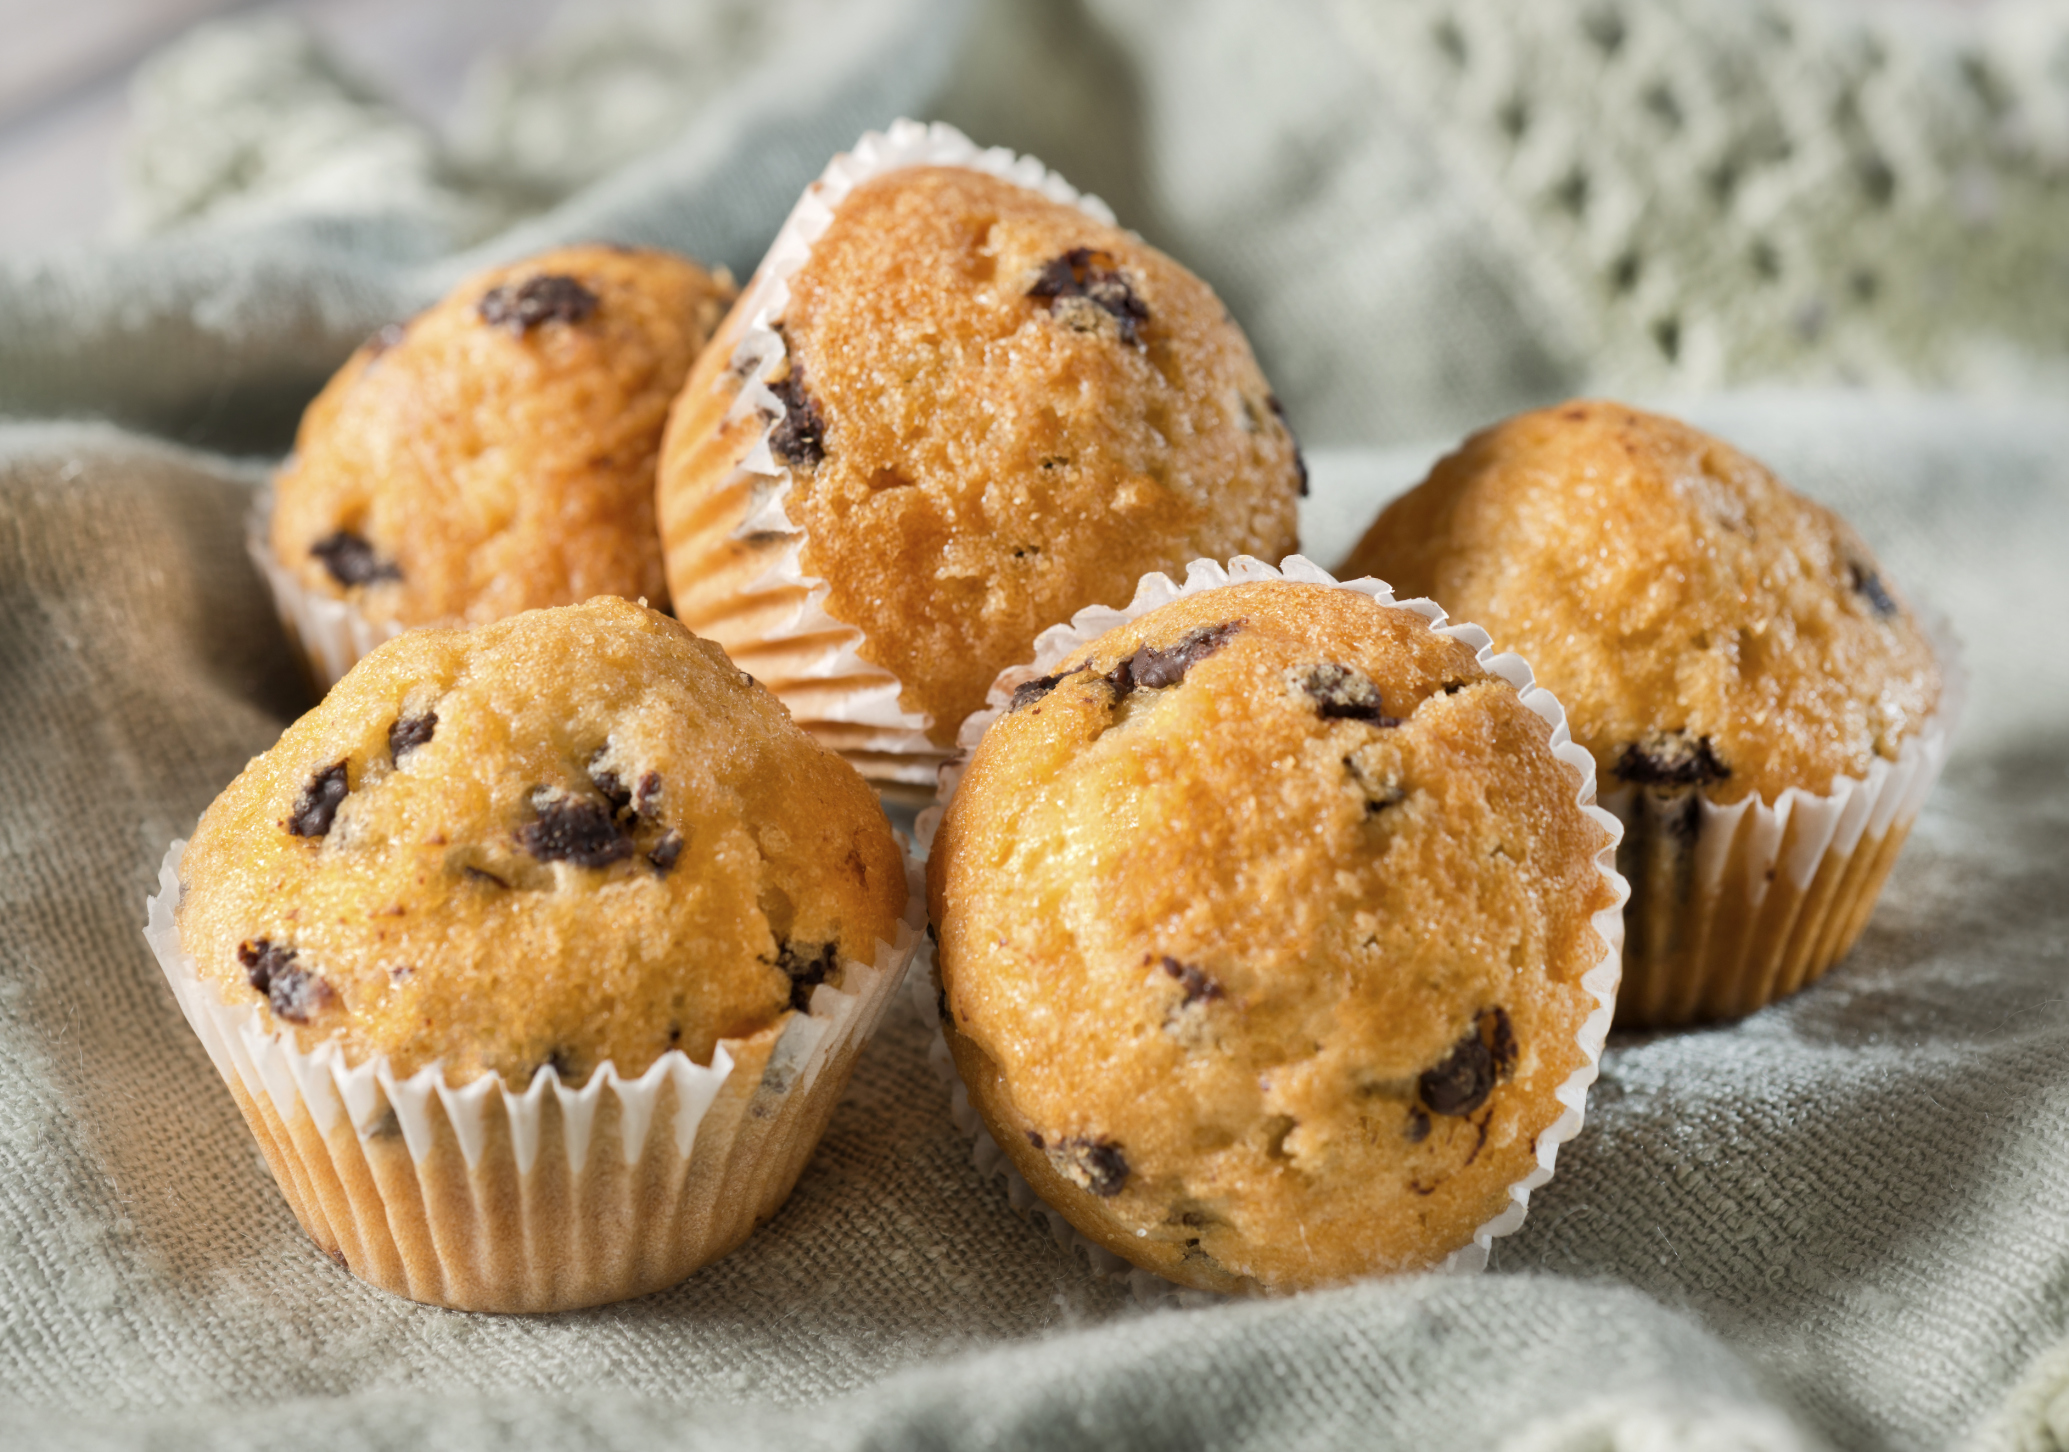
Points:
(330, 633)
(483, 1199)
(1600, 982)
(733, 552)
(1735, 906)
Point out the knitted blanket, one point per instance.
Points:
(1843, 1221)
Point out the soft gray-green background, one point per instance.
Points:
(1838, 240)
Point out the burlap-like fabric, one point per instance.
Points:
(1843, 1221)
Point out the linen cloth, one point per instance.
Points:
(1844, 1221)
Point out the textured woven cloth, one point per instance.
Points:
(1842, 1222)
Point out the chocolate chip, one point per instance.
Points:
(648, 796)
(1342, 692)
(317, 803)
(293, 993)
(1418, 1127)
(806, 965)
(1154, 669)
(1300, 469)
(548, 298)
(352, 561)
(1093, 275)
(1868, 585)
(1380, 792)
(410, 732)
(613, 788)
(1091, 1164)
(1461, 1082)
(1501, 1041)
(564, 1062)
(666, 851)
(1197, 986)
(1671, 758)
(799, 437)
(1034, 1139)
(1029, 692)
(572, 829)
(384, 338)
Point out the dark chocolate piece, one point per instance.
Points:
(1300, 469)
(1342, 692)
(613, 788)
(1868, 585)
(317, 803)
(648, 795)
(1671, 758)
(799, 437)
(1380, 792)
(1418, 1127)
(1154, 669)
(410, 732)
(1462, 1080)
(1029, 692)
(294, 994)
(807, 965)
(1089, 273)
(1091, 1164)
(351, 559)
(572, 829)
(1197, 986)
(548, 298)
(1501, 1041)
(666, 851)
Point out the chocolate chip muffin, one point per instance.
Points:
(1718, 642)
(496, 453)
(579, 835)
(516, 861)
(956, 405)
(1263, 922)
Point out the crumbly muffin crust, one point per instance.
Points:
(496, 453)
(1262, 923)
(999, 411)
(1703, 625)
(574, 836)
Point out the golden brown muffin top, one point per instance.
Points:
(496, 453)
(1702, 624)
(576, 835)
(1002, 411)
(1262, 924)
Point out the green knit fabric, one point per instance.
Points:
(1843, 1221)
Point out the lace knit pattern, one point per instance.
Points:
(1702, 194)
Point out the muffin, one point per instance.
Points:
(1276, 938)
(1766, 708)
(955, 404)
(497, 871)
(494, 454)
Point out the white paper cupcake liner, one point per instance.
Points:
(330, 633)
(479, 1197)
(750, 592)
(1155, 591)
(1736, 906)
